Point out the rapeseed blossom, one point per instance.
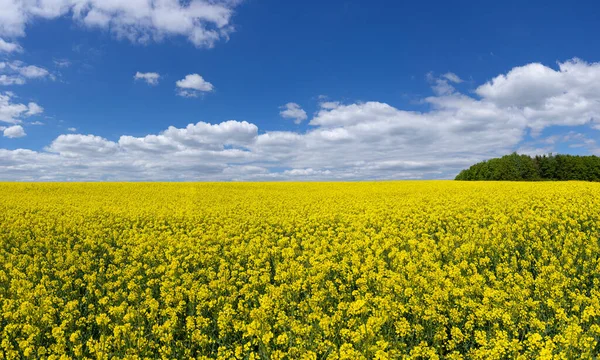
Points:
(387, 270)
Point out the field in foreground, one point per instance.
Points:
(300, 271)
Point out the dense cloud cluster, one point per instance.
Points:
(363, 140)
(202, 22)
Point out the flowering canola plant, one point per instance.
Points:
(370, 270)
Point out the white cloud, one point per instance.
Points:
(441, 85)
(293, 111)
(200, 136)
(12, 113)
(33, 72)
(15, 131)
(202, 22)
(306, 172)
(192, 84)
(569, 95)
(329, 105)
(11, 80)
(34, 109)
(72, 129)
(452, 77)
(151, 78)
(74, 145)
(9, 47)
(363, 140)
(17, 73)
(62, 63)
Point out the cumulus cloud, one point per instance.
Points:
(9, 47)
(202, 22)
(362, 140)
(200, 136)
(151, 78)
(12, 113)
(15, 131)
(569, 95)
(192, 85)
(33, 109)
(293, 111)
(75, 145)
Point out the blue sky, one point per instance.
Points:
(373, 89)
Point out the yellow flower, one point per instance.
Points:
(385, 270)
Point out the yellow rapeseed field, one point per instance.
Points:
(390, 270)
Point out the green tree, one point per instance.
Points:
(515, 167)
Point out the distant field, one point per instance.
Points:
(300, 270)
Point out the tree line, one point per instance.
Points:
(515, 167)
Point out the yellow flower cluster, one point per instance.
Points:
(390, 270)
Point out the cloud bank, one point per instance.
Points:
(345, 141)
